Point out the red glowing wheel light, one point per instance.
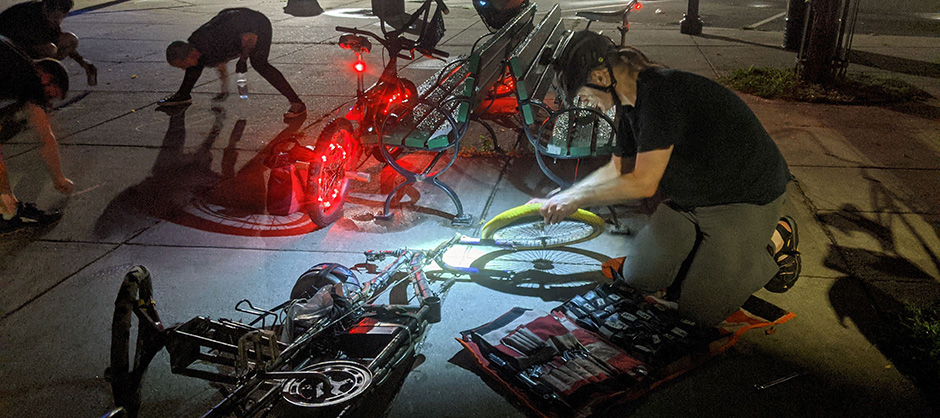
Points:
(637, 6)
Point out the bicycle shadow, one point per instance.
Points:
(551, 274)
(877, 286)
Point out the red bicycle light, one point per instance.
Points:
(637, 6)
(359, 66)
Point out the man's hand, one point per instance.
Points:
(64, 185)
(559, 207)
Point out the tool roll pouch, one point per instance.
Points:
(546, 358)
(287, 183)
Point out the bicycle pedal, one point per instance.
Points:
(358, 176)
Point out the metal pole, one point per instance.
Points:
(691, 23)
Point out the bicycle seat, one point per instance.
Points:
(620, 16)
(613, 16)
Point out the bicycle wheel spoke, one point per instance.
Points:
(538, 234)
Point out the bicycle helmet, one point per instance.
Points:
(577, 55)
(325, 274)
(497, 13)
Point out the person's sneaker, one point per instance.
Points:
(175, 100)
(788, 258)
(29, 216)
(296, 110)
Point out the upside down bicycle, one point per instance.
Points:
(348, 141)
(313, 353)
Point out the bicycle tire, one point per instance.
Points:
(524, 227)
(327, 185)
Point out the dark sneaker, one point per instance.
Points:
(788, 258)
(296, 110)
(175, 100)
(29, 216)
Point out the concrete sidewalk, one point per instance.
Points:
(148, 185)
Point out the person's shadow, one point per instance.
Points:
(177, 177)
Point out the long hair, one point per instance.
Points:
(633, 59)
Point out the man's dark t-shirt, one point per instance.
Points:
(19, 84)
(220, 39)
(721, 155)
(27, 26)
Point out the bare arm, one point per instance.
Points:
(4, 179)
(189, 80)
(49, 151)
(607, 186)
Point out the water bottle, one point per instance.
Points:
(242, 82)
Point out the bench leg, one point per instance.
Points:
(548, 172)
(461, 218)
(387, 212)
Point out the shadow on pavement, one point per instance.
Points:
(184, 189)
(176, 178)
(876, 290)
(555, 274)
(895, 64)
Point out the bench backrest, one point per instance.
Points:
(487, 63)
(468, 80)
(575, 133)
(533, 78)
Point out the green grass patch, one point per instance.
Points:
(919, 341)
(783, 84)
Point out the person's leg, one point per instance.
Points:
(259, 61)
(68, 47)
(16, 215)
(731, 261)
(7, 199)
(659, 250)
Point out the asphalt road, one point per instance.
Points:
(883, 17)
(911, 18)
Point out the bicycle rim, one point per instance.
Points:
(328, 183)
(524, 227)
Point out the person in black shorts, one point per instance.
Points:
(233, 33)
(35, 26)
(717, 237)
(26, 87)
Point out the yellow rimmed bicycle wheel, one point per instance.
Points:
(523, 227)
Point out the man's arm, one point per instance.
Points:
(607, 186)
(49, 151)
(189, 80)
